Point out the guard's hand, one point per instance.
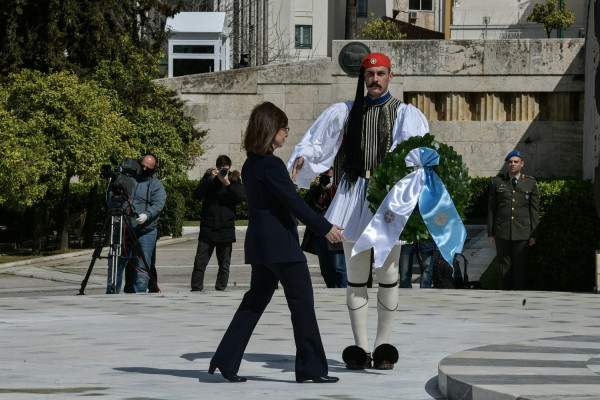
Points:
(298, 164)
(142, 218)
(335, 234)
(492, 239)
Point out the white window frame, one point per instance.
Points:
(189, 56)
(301, 46)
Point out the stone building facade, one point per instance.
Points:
(484, 98)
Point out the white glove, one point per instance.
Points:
(142, 218)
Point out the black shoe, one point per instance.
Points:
(229, 375)
(385, 356)
(356, 358)
(321, 379)
(197, 290)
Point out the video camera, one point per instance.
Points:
(122, 180)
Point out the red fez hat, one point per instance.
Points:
(376, 60)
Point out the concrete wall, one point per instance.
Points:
(221, 102)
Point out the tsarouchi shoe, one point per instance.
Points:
(356, 357)
(385, 356)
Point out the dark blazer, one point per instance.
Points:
(273, 206)
(217, 218)
(513, 214)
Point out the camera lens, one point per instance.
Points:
(223, 171)
(324, 180)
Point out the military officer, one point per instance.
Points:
(513, 216)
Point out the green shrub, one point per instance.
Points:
(478, 198)
(192, 207)
(381, 29)
(172, 217)
(569, 233)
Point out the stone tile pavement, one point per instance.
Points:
(456, 344)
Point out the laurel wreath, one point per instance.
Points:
(451, 170)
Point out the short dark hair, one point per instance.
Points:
(223, 160)
(265, 121)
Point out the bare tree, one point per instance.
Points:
(255, 27)
(197, 5)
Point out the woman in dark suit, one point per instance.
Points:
(272, 249)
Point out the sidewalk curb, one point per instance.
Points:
(87, 252)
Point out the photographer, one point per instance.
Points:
(220, 191)
(147, 201)
(331, 260)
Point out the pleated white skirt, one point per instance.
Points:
(350, 208)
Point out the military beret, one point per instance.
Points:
(514, 153)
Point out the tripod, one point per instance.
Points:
(116, 219)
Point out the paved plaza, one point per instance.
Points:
(457, 344)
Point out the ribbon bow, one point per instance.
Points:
(422, 186)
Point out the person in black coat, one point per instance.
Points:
(272, 249)
(244, 62)
(221, 191)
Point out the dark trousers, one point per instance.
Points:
(512, 263)
(153, 284)
(297, 286)
(332, 264)
(203, 255)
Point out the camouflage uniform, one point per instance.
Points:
(513, 216)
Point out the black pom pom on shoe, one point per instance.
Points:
(356, 357)
(385, 356)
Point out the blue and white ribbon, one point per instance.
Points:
(422, 186)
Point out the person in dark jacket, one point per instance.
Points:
(220, 190)
(147, 200)
(272, 249)
(244, 62)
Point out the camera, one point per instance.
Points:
(122, 179)
(223, 171)
(324, 179)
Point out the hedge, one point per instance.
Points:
(569, 233)
(562, 260)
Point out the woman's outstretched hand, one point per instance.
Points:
(298, 164)
(335, 234)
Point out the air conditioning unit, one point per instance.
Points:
(413, 15)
